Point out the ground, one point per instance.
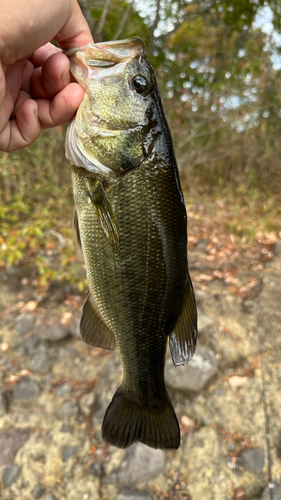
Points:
(55, 389)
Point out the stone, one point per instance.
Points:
(195, 375)
(10, 475)
(3, 405)
(66, 428)
(86, 404)
(10, 442)
(202, 244)
(97, 469)
(25, 322)
(277, 248)
(50, 496)
(252, 459)
(75, 328)
(69, 451)
(140, 463)
(63, 390)
(54, 333)
(40, 363)
(203, 321)
(134, 495)
(38, 491)
(32, 346)
(276, 490)
(25, 389)
(67, 353)
(68, 409)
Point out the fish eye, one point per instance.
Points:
(140, 84)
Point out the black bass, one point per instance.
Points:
(131, 224)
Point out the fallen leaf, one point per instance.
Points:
(31, 305)
(237, 381)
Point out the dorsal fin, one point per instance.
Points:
(183, 338)
(93, 329)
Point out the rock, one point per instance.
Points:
(38, 491)
(97, 469)
(277, 248)
(86, 403)
(134, 495)
(66, 428)
(203, 321)
(10, 475)
(50, 496)
(68, 409)
(33, 346)
(14, 277)
(69, 451)
(25, 322)
(40, 363)
(202, 245)
(75, 328)
(194, 376)
(252, 459)
(25, 389)
(67, 353)
(276, 490)
(54, 333)
(140, 462)
(10, 442)
(63, 390)
(3, 406)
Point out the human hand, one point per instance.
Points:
(35, 87)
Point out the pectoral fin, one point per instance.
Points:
(76, 231)
(183, 339)
(105, 214)
(93, 329)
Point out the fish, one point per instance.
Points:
(130, 222)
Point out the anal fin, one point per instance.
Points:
(182, 340)
(93, 329)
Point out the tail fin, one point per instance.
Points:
(127, 421)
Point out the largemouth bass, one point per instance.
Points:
(130, 221)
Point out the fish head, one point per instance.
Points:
(110, 133)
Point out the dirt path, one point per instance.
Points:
(55, 389)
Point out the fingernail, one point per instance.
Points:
(35, 111)
(65, 77)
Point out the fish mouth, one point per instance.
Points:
(88, 61)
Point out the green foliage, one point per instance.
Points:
(36, 211)
(222, 98)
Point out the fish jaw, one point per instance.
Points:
(99, 60)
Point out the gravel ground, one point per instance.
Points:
(54, 390)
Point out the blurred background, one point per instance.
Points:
(218, 65)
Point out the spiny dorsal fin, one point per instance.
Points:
(105, 214)
(183, 338)
(76, 231)
(93, 329)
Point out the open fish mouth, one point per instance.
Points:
(86, 62)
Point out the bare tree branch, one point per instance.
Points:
(123, 22)
(85, 7)
(102, 18)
